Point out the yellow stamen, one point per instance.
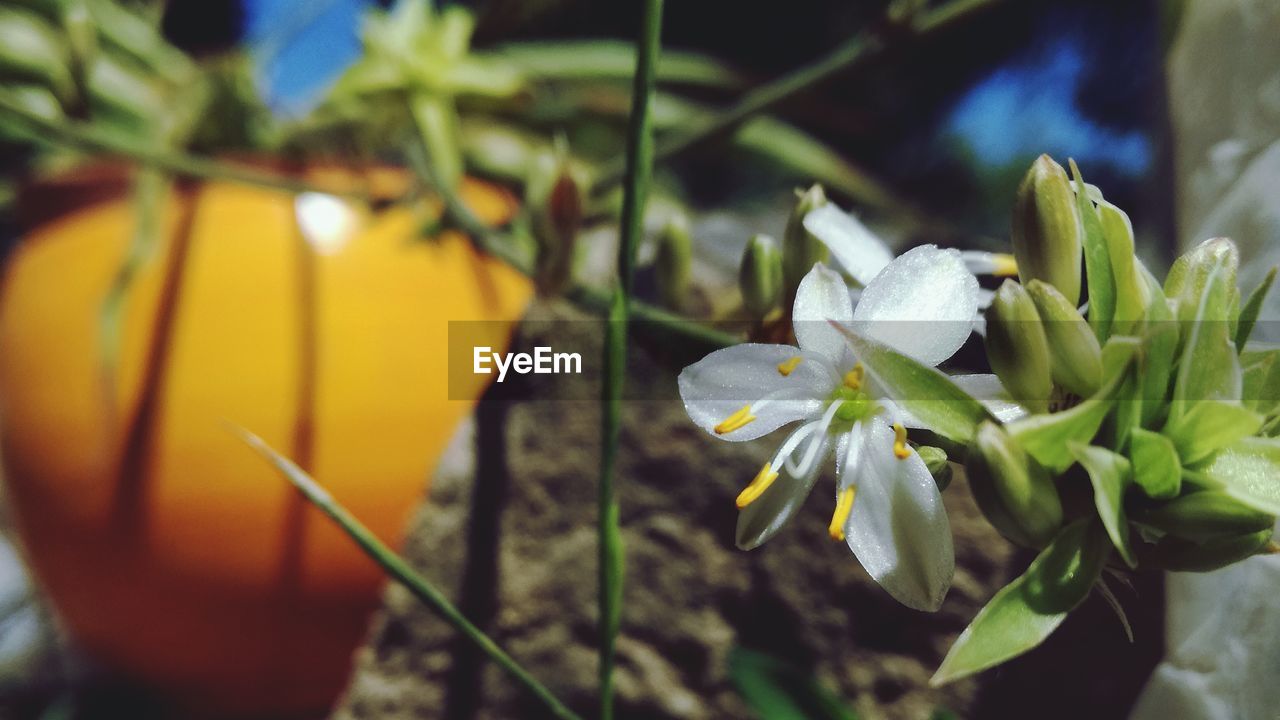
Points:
(785, 367)
(900, 449)
(752, 492)
(735, 421)
(1006, 265)
(844, 506)
(853, 378)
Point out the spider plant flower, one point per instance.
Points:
(887, 505)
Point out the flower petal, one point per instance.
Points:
(763, 518)
(856, 248)
(898, 528)
(722, 383)
(822, 296)
(922, 304)
(988, 390)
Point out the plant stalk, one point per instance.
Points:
(401, 572)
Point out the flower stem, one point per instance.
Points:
(852, 52)
(639, 166)
(401, 572)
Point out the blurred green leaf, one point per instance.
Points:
(1097, 262)
(611, 60)
(775, 690)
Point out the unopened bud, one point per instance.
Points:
(1187, 277)
(1047, 230)
(801, 248)
(1075, 357)
(760, 276)
(1205, 515)
(554, 199)
(1017, 495)
(1018, 348)
(935, 459)
(674, 261)
(1178, 554)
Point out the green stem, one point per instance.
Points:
(849, 54)
(401, 572)
(639, 166)
(92, 139)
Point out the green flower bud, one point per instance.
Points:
(1178, 554)
(935, 459)
(1017, 495)
(1075, 357)
(800, 249)
(1018, 348)
(1047, 229)
(1187, 277)
(32, 50)
(554, 199)
(674, 261)
(1205, 515)
(760, 276)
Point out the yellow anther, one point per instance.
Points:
(853, 378)
(735, 421)
(785, 367)
(844, 506)
(1005, 265)
(900, 449)
(752, 492)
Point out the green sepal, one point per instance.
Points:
(1157, 469)
(1249, 311)
(1045, 436)
(1099, 277)
(1111, 475)
(1208, 426)
(1248, 471)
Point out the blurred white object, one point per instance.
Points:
(1224, 96)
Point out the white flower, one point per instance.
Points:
(863, 255)
(888, 508)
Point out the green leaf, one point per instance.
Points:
(1248, 471)
(1208, 426)
(1029, 609)
(1111, 476)
(1097, 262)
(776, 690)
(1209, 367)
(1045, 437)
(1131, 298)
(1187, 280)
(925, 392)
(1157, 469)
(613, 60)
(1253, 306)
(1261, 380)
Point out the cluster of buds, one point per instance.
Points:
(1150, 395)
(1150, 437)
(770, 274)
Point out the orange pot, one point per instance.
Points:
(170, 550)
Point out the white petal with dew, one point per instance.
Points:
(858, 250)
(763, 518)
(822, 296)
(988, 390)
(923, 304)
(728, 379)
(898, 528)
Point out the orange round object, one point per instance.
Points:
(171, 551)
